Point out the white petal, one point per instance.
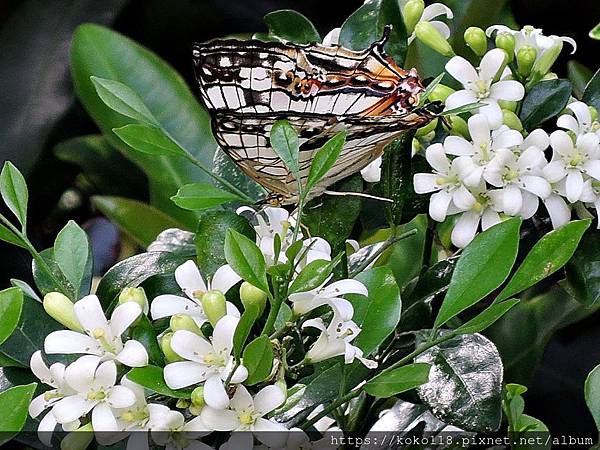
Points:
(589, 144)
(332, 38)
(561, 143)
(436, 10)
(582, 112)
(530, 205)
(70, 342)
(574, 185)
(270, 433)
(168, 305)
(46, 429)
(425, 182)
(532, 158)
(493, 113)
(190, 346)
(220, 419)
(196, 427)
(479, 129)
(80, 374)
(268, 399)
(215, 395)
(460, 98)
(507, 90)
(224, 279)
(536, 185)
(39, 368)
(557, 210)
(568, 122)
(465, 229)
(189, 279)
(276, 217)
(438, 205)
(462, 198)
(462, 70)
(182, 374)
(499, 28)
(491, 63)
(71, 408)
(371, 173)
(513, 200)
(315, 323)
(121, 397)
(242, 400)
(103, 418)
(89, 313)
(537, 138)
(134, 354)
(342, 307)
(345, 287)
(39, 403)
(489, 218)
(222, 340)
(123, 316)
(436, 157)
(592, 168)
(458, 146)
(554, 171)
(240, 375)
(441, 27)
(105, 376)
(507, 139)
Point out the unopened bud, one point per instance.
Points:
(60, 308)
(135, 295)
(511, 120)
(214, 306)
(79, 439)
(198, 397)
(593, 113)
(459, 127)
(508, 105)
(412, 13)
(251, 295)
(165, 346)
(525, 60)
(476, 39)
(184, 322)
(547, 59)
(506, 42)
(423, 131)
(432, 38)
(441, 93)
(550, 76)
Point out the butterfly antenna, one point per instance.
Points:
(358, 194)
(387, 31)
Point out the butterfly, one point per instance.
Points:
(248, 85)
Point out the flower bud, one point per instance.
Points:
(136, 295)
(165, 346)
(182, 403)
(214, 305)
(423, 131)
(506, 42)
(508, 105)
(412, 13)
(431, 37)
(525, 59)
(593, 113)
(547, 59)
(184, 322)
(198, 397)
(60, 308)
(281, 384)
(550, 76)
(251, 295)
(79, 439)
(476, 39)
(441, 93)
(511, 120)
(459, 127)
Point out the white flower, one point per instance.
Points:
(444, 182)
(192, 284)
(312, 249)
(570, 162)
(371, 173)
(537, 138)
(102, 337)
(170, 430)
(245, 413)
(303, 302)
(332, 38)
(582, 123)
(590, 197)
(520, 178)
(208, 362)
(431, 12)
(558, 210)
(477, 153)
(94, 389)
(481, 85)
(531, 37)
(335, 339)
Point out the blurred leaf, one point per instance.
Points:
(396, 381)
(285, 143)
(595, 32)
(149, 139)
(11, 305)
(324, 159)
(199, 196)
(14, 191)
(544, 101)
(173, 240)
(365, 26)
(291, 26)
(486, 318)
(396, 176)
(579, 75)
(591, 95)
(583, 270)
(100, 52)
(465, 383)
(73, 255)
(258, 359)
(246, 259)
(243, 329)
(14, 403)
(592, 394)
(140, 221)
(151, 377)
(122, 99)
(547, 256)
(472, 279)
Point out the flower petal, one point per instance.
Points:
(436, 10)
(574, 185)
(371, 173)
(224, 279)
(462, 198)
(568, 122)
(460, 98)
(270, 433)
(222, 340)
(345, 287)
(458, 146)
(215, 395)
(424, 183)
(512, 200)
(530, 205)
(189, 279)
(491, 63)
(592, 168)
(123, 316)
(46, 429)
(71, 342)
(105, 376)
(509, 90)
(182, 374)
(554, 171)
(507, 139)
(558, 210)
(268, 399)
(493, 113)
(561, 143)
(465, 229)
(537, 138)
(584, 117)
(462, 70)
(71, 408)
(80, 374)
(242, 400)
(489, 218)
(536, 185)
(190, 346)
(438, 205)
(121, 397)
(90, 314)
(39, 403)
(436, 157)
(39, 368)
(103, 419)
(220, 419)
(168, 305)
(134, 354)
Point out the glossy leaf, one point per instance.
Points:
(227, 169)
(592, 394)
(14, 403)
(465, 383)
(258, 359)
(149, 139)
(151, 377)
(243, 329)
(140, 221)
(173, 240)
(396, 381)
(324, 159)
(595, 32)
(289, 25)
(57, 282)
(14, 191)
(285, 143)
(366, 26)
(472, 279)
(591, 95)
(11, 305)
(396, 176)
(487, 317)
(25, 288)
(545, 100)
(202, 196)
(7, 235)
(313, 275)
(579, 76)
(143, 332)
(583, 275)
(72, 252)
(548, 255)
(246, 259)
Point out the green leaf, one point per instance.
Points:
(486, 318)
(366, 25)
(143, 332)
(140, 221)
(465, 382)
(473, 278)
(11, 305)
(544, 101)
(210, 237)
(228, 170)
(122, 99)
(595, 32)
(202, 196)
(583, 273)
(258, 359)
(379, 313)
(285, 143)
(151, 377)
(246, 259)
(46, 283)
(429, 89)
(324, 159)
(313, 275)
(72, 252)
(14, 403)
(461, 109)
(592, 394)
(579, 76)
(243, 329)
(291, 26)
(14, 191)
(27, 290)
(7, 235)
(396, 381)
(591, 95)
(149, 139)
(548, 255)
(396, 176)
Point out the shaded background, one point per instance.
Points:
(38, 110)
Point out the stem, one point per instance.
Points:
(230, 376)
(339, 402)
(273, 312)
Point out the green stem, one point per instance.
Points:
(230, 376)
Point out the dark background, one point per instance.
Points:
(38, 110)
